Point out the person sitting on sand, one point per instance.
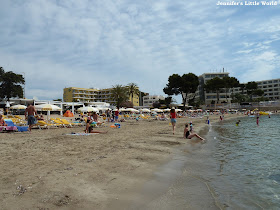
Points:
(2, 121)
(189, 135)
(89, 128)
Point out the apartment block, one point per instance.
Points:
(74, 94)
(150, 99)
(88, 95)
(271, 89)
(210, 96)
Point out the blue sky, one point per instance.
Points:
(101, 43)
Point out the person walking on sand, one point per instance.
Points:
(29, 113)
(173, 119)
(189, 135)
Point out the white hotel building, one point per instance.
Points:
(150, 99)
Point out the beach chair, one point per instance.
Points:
(12, 127)
(58, 122)
(42, 124)
(65, 122)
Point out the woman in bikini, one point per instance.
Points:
(189, 135)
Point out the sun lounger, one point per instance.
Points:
(42, 124)
(58, 122)
(12, 127)
(65, 122)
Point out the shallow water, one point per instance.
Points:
(238, 168)
(246, 160)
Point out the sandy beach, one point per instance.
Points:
(47, 169)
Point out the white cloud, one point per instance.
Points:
(103, 43)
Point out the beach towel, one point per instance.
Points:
(81, 134)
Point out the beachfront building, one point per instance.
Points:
(148, 100)
(90, 95)
(209, 97)
(271, 89)
(84, 95)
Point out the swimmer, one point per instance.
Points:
(237, 123)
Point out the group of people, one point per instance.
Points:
(112, 116)
(188, 133)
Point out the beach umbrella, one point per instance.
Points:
(178, 110)
(145, 110)
(130, 110)
(47, 107)
(156, 110)
(18, 107)
(88, 109)
(166, 110)
(8, 104)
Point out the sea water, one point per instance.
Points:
(244, 162)
(237, 168)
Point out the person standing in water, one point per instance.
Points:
(258, 120)
(173, 119)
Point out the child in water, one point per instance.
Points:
(189, 135)
(237, 123)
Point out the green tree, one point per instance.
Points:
(166, 101)
(133, 90)
(242, 87)
(239, 98)
(252, 89)
(10, 84)
(216, 84)
(230, 83)
(119, 94)
(185, 84)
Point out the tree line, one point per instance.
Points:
(10, 84)
(188, 83)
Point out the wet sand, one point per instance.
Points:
(50, 170)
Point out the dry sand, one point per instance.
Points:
(50, 170)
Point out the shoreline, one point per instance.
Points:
(48, 169)
(161, 191)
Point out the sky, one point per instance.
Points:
(102, 43)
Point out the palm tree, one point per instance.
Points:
(133, 89)
(119, 94)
